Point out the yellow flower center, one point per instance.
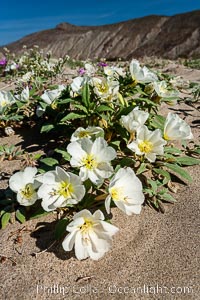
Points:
(88, 224)
(117, 193)
(89, 162)
(4, 103)
(166, 137)
(28, 191)
(102, 87)
(145, 146)
(65, 189)
(135, 82)
(83, 134)
(53, 105)
(163, 90)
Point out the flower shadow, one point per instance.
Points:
(33, 140)
(46, 241)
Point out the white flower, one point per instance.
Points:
(148, 143)
(90, 69)
(114, 71)
(105, 89)
(49, 96)
(89, 132)
(135, 119)
(93, 159)
(77, 85)
(60, 188)
(176, 129)
(90, 235)
(101, 87)
(27, 77)
(125, 189)
(162, 90)
(12, 67)
(24, 96)
(6, 99)
(25, 185)
(39, 111)
(139, 74)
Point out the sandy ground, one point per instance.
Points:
(154, 255)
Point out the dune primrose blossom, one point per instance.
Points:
(114, 72)
(139, 74)
(90, 235)
(125, 189)
(162, 90)
(135, 119)
(105, 89)
(27, 77)
(93, 159)
(24, 183)
(77, 85)
(12, 67)
(89, 132)
(24, 96)
(148, 143)
(59, 189)
(176, 128)
(49, 96)
(6, 99)
(90, 69)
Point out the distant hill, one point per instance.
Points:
(161, 36)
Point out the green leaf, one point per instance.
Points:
(86, 95)
(115, 144)
(187, 161)
(141, 168)
(81, 107)
(5, 220)
(49, 161)
(164, 173)
(179, 171)
(65, 101)
(153, 184)
(197, 151)
(172, 150)
(37, 156)
(20, 215)
(60, 228)
(39, 213)
(19, 104)
(64, 154)
(47, 128)
(147, 101)
(148, 191)
(103, 107)
(168, 198)
(72, 116)
(158, 121)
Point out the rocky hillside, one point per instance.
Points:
(161, 36)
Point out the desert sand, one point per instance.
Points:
(154, 255)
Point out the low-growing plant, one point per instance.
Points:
(9, 152)
(192, 63)
(114, 149)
